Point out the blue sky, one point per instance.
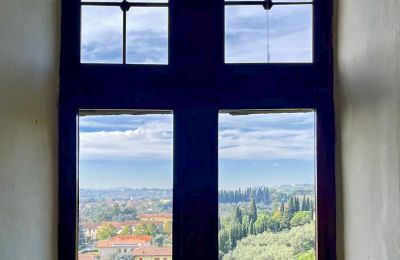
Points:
(136, 151)
(290, 36)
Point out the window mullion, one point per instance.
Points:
(196, 29)
(195, 184)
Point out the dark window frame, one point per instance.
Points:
(196, 85)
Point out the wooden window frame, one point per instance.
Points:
(196, 85)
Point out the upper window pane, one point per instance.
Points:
(147, 35)
(133, 32)
(101, 36)
(282, 34)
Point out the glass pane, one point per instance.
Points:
(266, 186)
(254, 35)
(147, 35)
(125, 186)
(101, 40)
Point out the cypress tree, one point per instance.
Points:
(253, 210)
(291, 207)
(303, 204)
(312, 210)
(296, 204)
(282, 208)
(237, 215)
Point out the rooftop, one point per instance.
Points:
(123, 240)
(152, 251)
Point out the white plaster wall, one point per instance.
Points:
(367, 100)
(29, 63)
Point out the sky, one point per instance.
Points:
(290, 34)
(254, 150)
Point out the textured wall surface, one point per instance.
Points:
(29, 54)
(367, 100)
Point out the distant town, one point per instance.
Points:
(125, 224)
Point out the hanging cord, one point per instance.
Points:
(268, 53)
(267, 6)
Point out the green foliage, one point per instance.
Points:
(259, 194)
(126, 231)
(106, 231)
(253, 211)
(282, 208)
(160, 240)
(237, 215)
(284, 245)
(100, 212)
(296, 204)
(300, 218)
(167, 227)
(146, 229)
(309, 255)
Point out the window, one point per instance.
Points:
(132, 32)
(266, 185)
(198, 71)
(268, 32)
(125, 180)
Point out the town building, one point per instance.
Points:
(122, 245)
(152, 253)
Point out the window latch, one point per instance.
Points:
(125, 6)
(267, 4)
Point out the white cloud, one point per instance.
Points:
(152, 140)
(267, 136)
(258, 137)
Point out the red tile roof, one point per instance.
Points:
(152, 251)
(84, 257)
(123, 240)
(91, 225)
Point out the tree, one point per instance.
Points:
(146, 229)
(312, 210)
(288, 244)
(167, 227)
(309, 255)
(296, 204)
(116, 209)
(106, 231)
(159, 240)
(291, 207)
(253, 210)
(300, 218)
(237, 215)
(304, 206)
(282, 207)
(126, 231)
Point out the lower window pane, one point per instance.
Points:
(125, 186)
(266, 185)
